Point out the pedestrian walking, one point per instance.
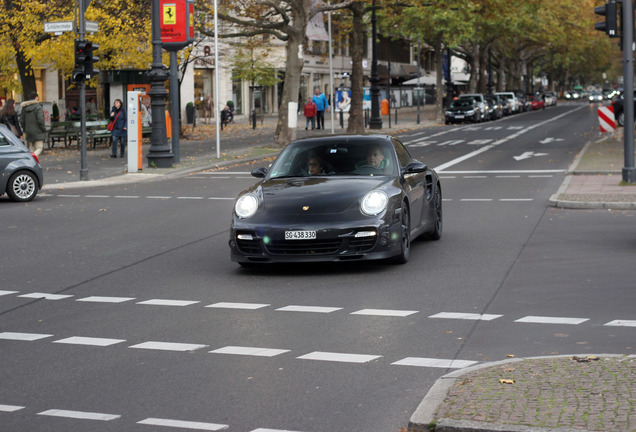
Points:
(91, 107)
(310, 114)
(207, 108)
(32, 122)
(322, 105)
(119, 131)
(10, 119)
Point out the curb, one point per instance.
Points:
(424, 420)
(145, 176)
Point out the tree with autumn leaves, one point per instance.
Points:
(123, 38)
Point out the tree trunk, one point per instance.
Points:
(439, 71)
(27, 77)
(358, 39)
(294, 53)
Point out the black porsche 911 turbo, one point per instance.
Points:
(337, 198)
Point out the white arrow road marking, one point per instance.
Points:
(550, 139)
(528, 155)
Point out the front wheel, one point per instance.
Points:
(22, 186)
(405, 240)
(621, 118)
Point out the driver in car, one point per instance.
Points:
(375, 159)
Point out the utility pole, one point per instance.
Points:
(629, 172)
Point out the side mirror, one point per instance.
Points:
(415, 167)
(259, 172)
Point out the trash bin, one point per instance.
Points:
(384, 107)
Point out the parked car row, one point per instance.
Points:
(477, 107)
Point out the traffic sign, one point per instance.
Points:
(91, 26)
(58, 27)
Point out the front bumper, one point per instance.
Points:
(351, 241)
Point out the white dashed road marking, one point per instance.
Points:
(160, 302)
(79, 415)
(229, 305)
(339, 357)
(434, 363)
(466, 316)
(552, 320)
(249, 351)
(23, 336)
(10, 408)
(384, 312)
(3, 293)
(183, 424)
(168, 346)
(622, 323)
(100, 299)
(45, 296)
(78, 340)
(314, 309)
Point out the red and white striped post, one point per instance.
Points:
(606, 119)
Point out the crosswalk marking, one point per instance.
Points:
(78, 340)
(229, 305)
(29, 337)
(100, 299)
(384, 312)
(435, 363)
(79, 415)
(551, 320)
(339, 357)
(249, 351)
(3, 293)
(622, 323)
(183, 424)
(46, 296)
(466, 316)
(161, 302)
(168, 346)
(314, 309)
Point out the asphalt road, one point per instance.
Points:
(120, 309)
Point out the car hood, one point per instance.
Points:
(315, 195)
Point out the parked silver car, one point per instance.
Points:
(20, 172)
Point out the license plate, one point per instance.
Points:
(300, 235)
(459, 116)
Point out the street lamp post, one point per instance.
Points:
(159, 155)
(376, 121)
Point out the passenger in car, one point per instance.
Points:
(315, 166)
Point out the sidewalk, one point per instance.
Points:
(556, 394)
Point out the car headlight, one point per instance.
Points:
(470, 112)
(246, 206)
(448, 113)
(374, 202)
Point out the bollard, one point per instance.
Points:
(254, 119)
(341, 119)
(396, 110)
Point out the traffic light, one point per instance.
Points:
(610, 25)
(90, 59)
(84, 60)
(79, 73)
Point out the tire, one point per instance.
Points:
(405, 240)
(22, 186)
(621, 118)
(436, 234)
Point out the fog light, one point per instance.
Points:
(383, 240)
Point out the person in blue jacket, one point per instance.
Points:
(321, 106)
(119, 132)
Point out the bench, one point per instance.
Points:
(60, 132)
(95, 131)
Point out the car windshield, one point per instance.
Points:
(350, 157)
(462, 103)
